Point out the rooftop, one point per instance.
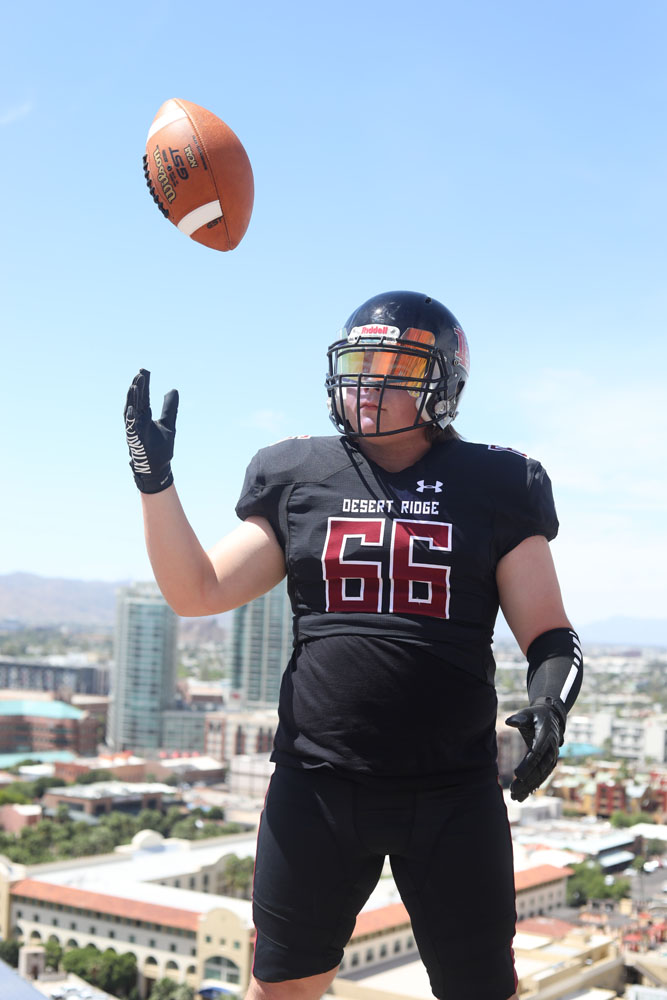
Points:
(111, 789)
(117, 906)
(539, 875)
(35, 707)
(46, 756)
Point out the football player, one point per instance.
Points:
(399, 541)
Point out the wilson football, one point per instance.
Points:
(199, 174)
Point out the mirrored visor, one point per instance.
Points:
(404, 366)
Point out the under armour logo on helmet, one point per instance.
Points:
(421, 486)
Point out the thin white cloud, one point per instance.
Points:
(610, 565)
(608, 441)
(15, 114)
(605, 448)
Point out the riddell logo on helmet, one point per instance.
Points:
(375, 332)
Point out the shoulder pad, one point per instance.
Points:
(303, 458)
(499, 447)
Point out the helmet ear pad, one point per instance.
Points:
(442, 402)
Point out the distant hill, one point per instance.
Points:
(626, 631)
(28, 599)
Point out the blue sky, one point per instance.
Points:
(508, 159)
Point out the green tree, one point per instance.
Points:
(149, 819)
(185, 828)
(41, 785)
(121, 826)
(108, 971)
(620, 819)
(95, 774)
(172, 816)
(167, 989)
(237, 877)
(12, 795)
(79, 960)
(183, 992)
(53, 954)
(586, 883)
(9, 951)
(621, 888)
(62, 813)
(118, 973)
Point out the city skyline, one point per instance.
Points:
(45, 602)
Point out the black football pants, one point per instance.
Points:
(321, 848)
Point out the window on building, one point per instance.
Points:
(397, 947)
(218, 967)
(355, 959)
(370, 954)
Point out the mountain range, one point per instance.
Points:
(28, 599)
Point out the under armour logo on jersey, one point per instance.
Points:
(421, 486)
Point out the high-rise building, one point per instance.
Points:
(260, 646)
(143, 680)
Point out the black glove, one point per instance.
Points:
(542, 727)
(151, 442)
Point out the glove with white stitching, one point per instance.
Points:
(151, 442)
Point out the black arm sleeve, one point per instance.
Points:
(555, 669)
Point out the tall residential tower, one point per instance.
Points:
(260, 646)
(143, 680)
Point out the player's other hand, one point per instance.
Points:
(542, 728)
(151, 442)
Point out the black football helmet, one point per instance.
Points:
(400, 340)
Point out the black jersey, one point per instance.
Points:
(391, 577)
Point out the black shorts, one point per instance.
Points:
(321, 847)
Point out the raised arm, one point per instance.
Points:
(243, 565)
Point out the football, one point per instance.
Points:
(199, 174)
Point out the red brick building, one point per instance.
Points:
(29, 726)
(610, 797)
